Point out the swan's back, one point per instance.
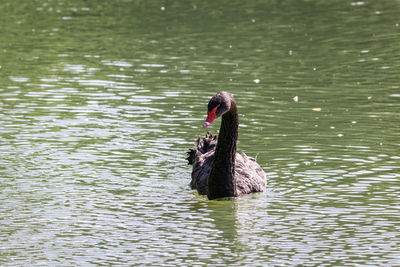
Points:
(249, 177)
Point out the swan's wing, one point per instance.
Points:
(202, 158)
(249, 176)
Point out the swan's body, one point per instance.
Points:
(218, 171)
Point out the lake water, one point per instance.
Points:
(100, 100)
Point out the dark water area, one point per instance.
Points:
(100, 100)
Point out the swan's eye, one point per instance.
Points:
(214, 111)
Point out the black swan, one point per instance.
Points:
(218, 171)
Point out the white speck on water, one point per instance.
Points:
(19, 79)
(364, 51)
(163, 8)
(117, 63)
(332, 127)
(296, 99)
(153, 65)
(358, 3)
(256, 80)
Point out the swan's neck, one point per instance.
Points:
(221, 180)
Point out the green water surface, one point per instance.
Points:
(100, 100)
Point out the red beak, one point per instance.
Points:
(211, 116)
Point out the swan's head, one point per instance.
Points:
(219, 104)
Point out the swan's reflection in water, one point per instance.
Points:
(224, 215)
(232, 225)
